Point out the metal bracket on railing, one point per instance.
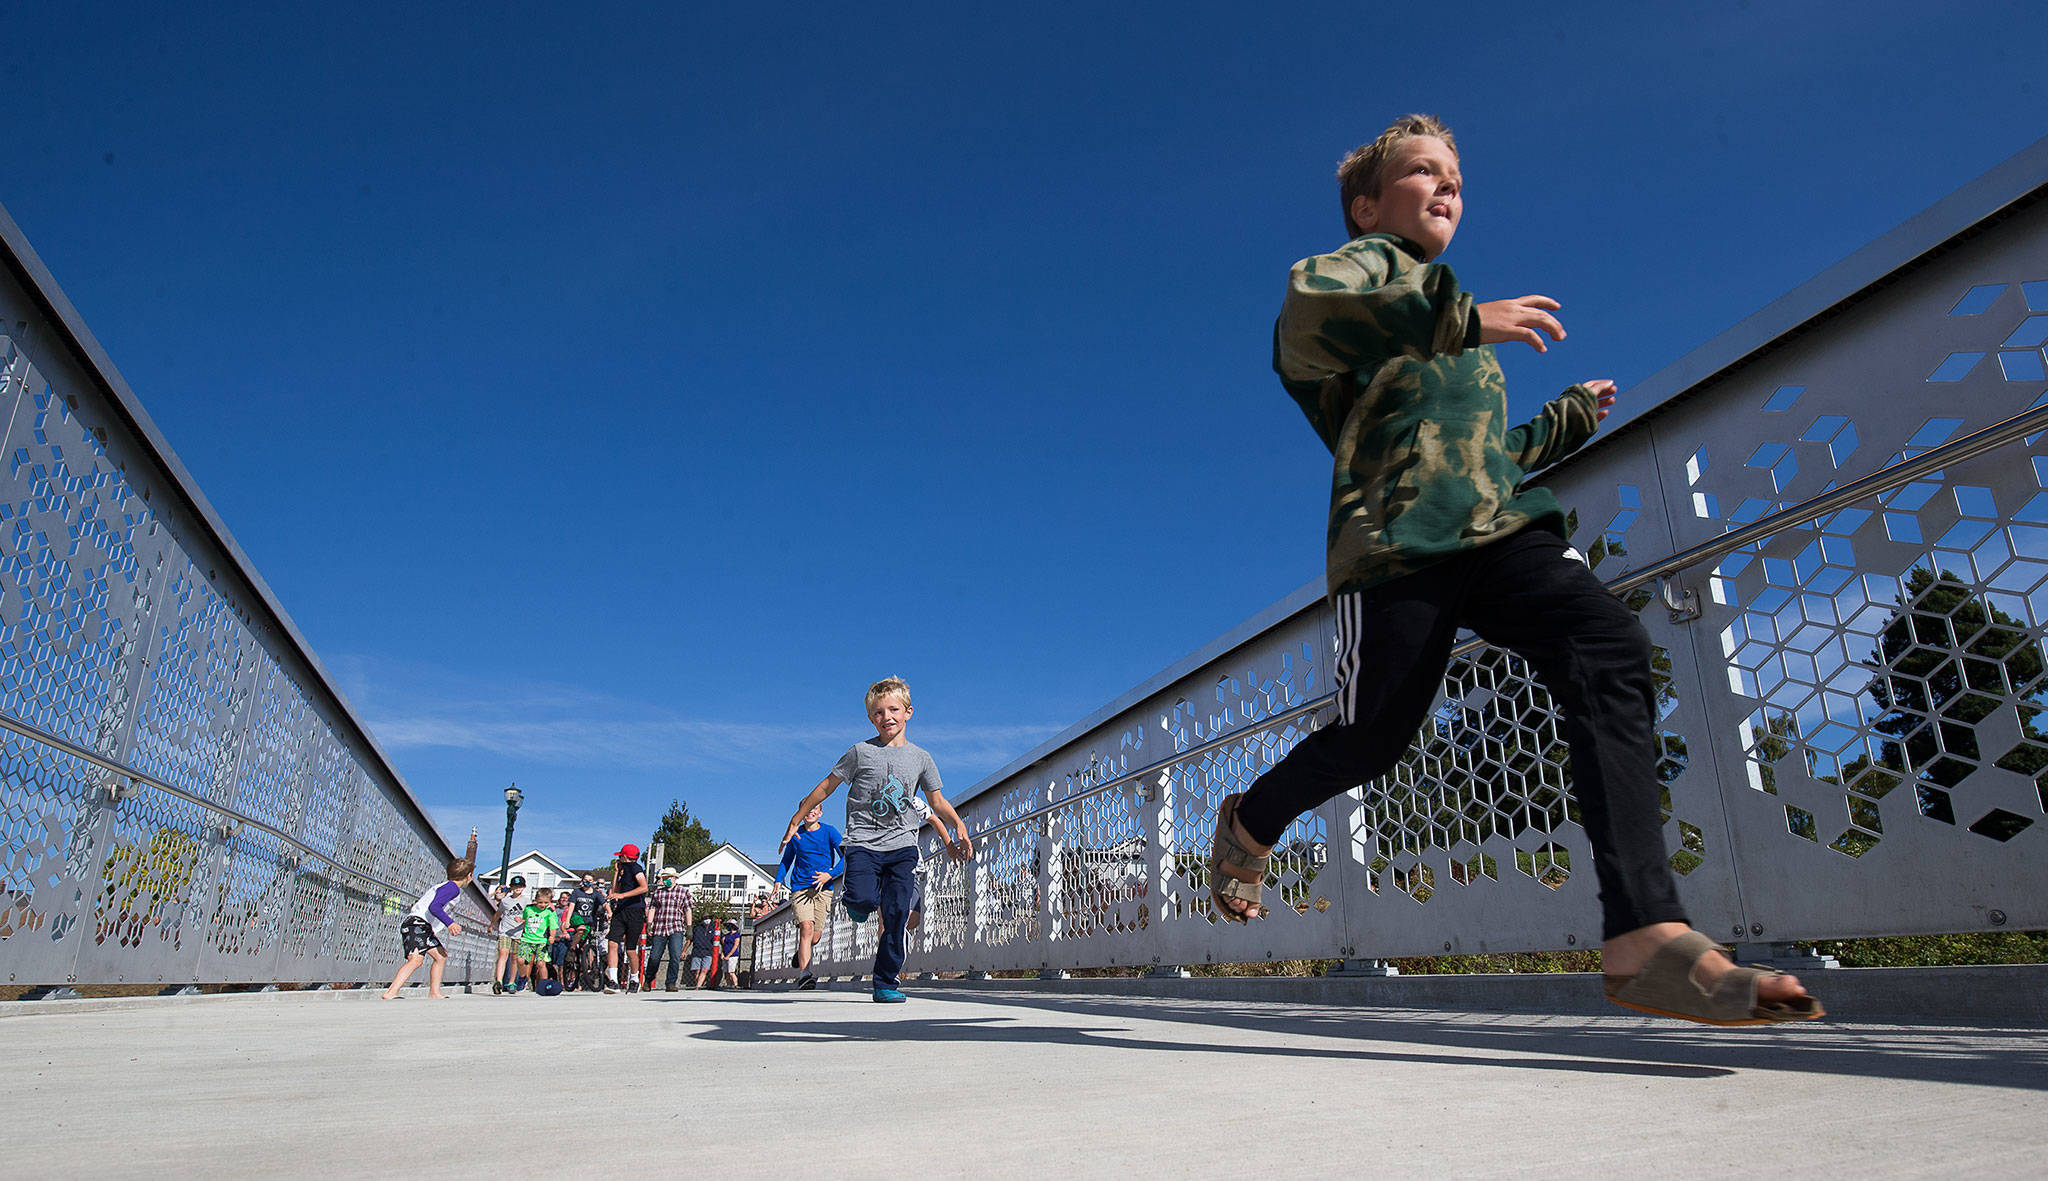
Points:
(224, 829)
(1680, 600)
(118, 788)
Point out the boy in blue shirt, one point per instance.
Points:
(810, 860)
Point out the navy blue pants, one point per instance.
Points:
(882, 882)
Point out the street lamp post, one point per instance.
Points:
(512, 798)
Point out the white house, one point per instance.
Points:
(540, 871)
(727, 873)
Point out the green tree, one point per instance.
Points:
(683, 839)
(1950, 660)
(707, 905)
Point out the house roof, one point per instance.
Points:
(553, 865)
(751, 863)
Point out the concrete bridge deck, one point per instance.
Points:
(988, 1083)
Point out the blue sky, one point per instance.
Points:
(609, 395)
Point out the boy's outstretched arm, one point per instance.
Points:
(1562, 427)
(788, 863)
(940, 808)
(923, 808)
(819, 795)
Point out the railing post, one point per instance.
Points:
(1158, 814)
(970, 936)
(1050, 828)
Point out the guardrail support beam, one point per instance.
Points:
(1366, 968)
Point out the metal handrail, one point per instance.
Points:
(35, 734)
(1200, 748)
(1262, 724)
(1884, 479)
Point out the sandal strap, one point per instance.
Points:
(1235, 872)
(1227, 850)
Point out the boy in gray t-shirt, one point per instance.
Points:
(883, 775)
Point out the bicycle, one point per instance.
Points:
(586, 961)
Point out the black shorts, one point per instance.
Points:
(417, 934)
(627, 924)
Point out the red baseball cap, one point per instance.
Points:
(630, 852)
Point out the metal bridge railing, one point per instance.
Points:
(184, 796)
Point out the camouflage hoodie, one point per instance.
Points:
(1381, 350)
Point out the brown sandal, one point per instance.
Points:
(1235, 872)
(1665, 987)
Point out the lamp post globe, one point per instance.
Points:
(512, 798)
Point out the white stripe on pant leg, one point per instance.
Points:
(1343, 656)
(1348, 626)
(1343, 653)
(1357, 658)
(1347, 653)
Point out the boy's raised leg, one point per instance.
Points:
(861, 895)
(1396, 640)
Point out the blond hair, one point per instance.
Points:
(887, 687)
(460, 868)
(1363, 171)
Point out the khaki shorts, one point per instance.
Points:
(508, 943)
(813, 904)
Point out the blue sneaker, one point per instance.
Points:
(889, 996)
(858, 916)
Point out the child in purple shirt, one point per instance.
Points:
(419, 932)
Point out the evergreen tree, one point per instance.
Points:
(1930, 695)
(683, 839)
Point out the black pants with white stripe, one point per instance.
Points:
(1531, 595)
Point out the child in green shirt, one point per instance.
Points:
(541, 922)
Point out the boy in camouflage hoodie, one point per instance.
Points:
(1430, 530)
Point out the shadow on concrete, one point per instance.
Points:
(1972, 1057)
(991, 1030)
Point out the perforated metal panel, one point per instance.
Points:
(182, 796)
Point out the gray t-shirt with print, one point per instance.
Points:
(512, 911)
(881, 782)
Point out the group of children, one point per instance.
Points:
(1431, 529)
(541, 936)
